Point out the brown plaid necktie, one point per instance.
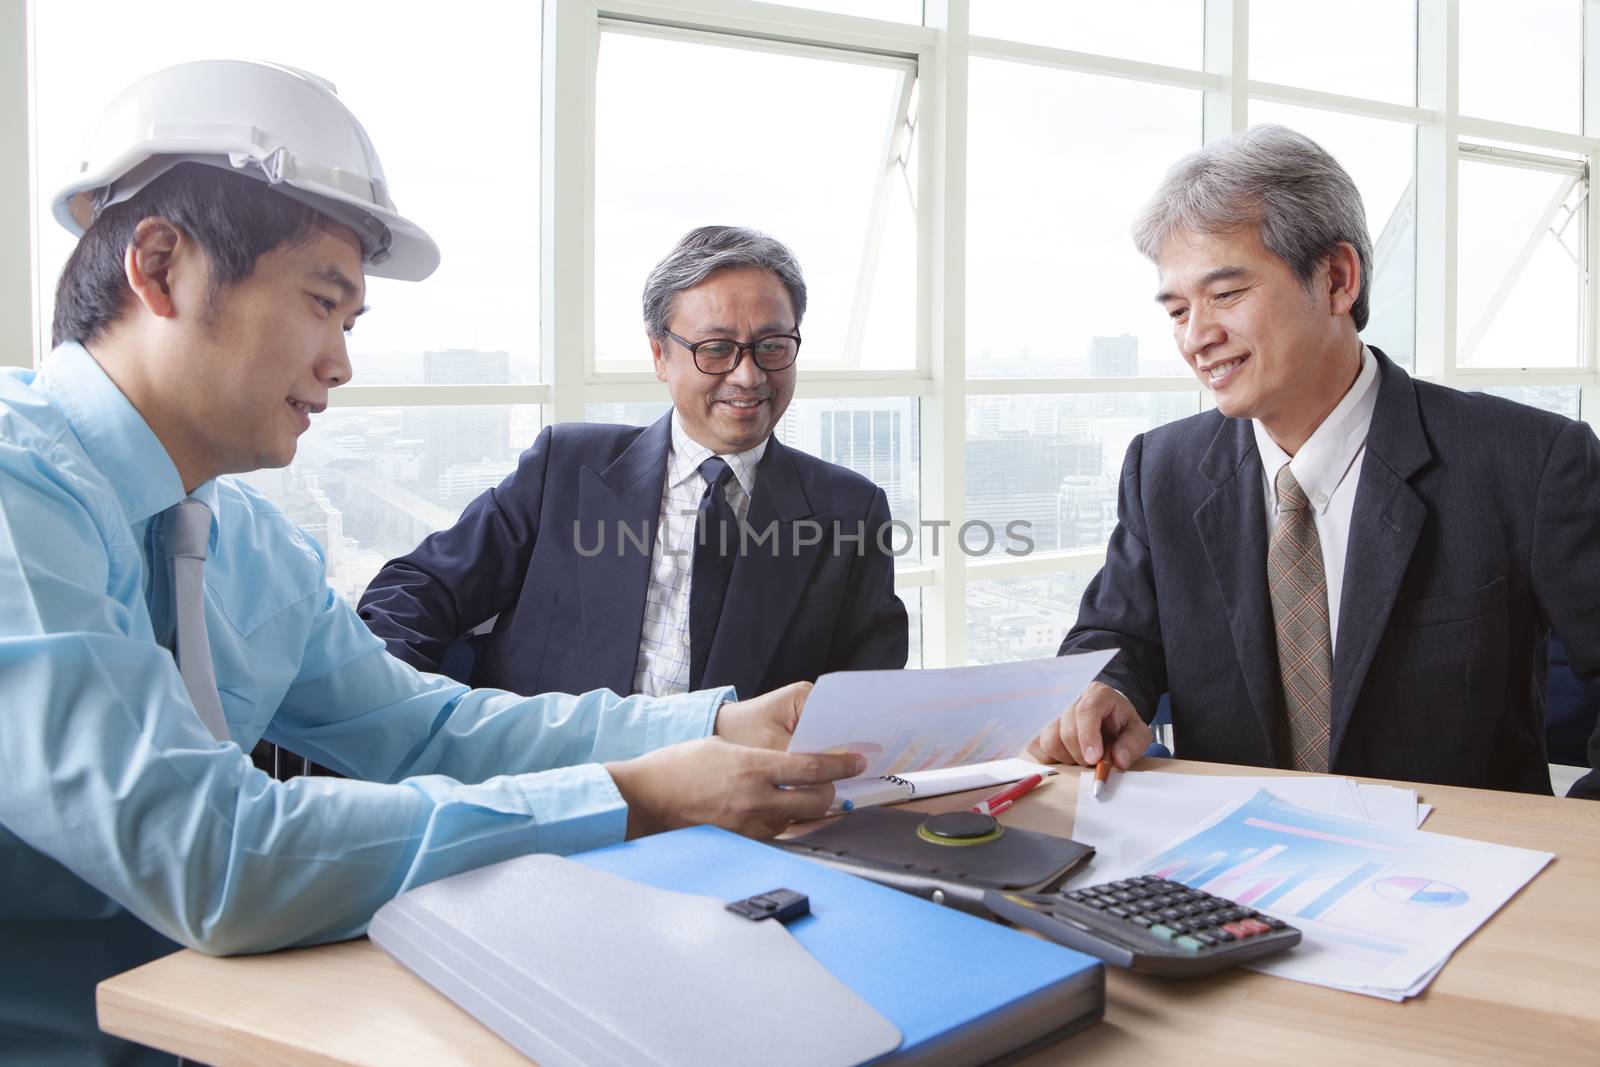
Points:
(1299, 591)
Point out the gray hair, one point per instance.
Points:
(702, 252)
(1302, 199)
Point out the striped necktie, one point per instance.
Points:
(1299, 590)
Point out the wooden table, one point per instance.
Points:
(1524, 989)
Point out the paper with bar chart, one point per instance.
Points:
(927, 719)
(1381, 907)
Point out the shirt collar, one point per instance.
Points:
(688, 454)
(117, 440)
(1329, 454)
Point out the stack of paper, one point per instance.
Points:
(1382, 905)
(910, 721)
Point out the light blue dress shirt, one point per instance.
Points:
(124, 824)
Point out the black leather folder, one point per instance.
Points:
(884, 845)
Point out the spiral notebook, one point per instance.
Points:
(856, 793)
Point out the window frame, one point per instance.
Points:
(940, 52)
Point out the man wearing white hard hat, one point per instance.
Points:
(157, 618)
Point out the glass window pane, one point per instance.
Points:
(1519, 295)
(370, 483)
(1380, 157)
(485, 292)
(810, 164)
(641, 413)
(1523, 62)
(1561, 399)
(1052, 189)
(1023, 618)
(1044, 469)
(1368, 50)
(1171, 32)
(879, 439)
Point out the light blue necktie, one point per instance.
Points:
(187, 537)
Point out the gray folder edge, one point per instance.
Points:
(543, 1022)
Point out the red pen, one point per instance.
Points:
(1008, 796)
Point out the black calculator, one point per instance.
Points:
(1148, 924)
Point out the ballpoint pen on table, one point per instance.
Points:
(994, 805)
(1102, 771)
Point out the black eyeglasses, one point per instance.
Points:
(719, 355)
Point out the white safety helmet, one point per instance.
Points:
(273, 123)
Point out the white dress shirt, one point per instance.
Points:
(663, 664)
(1328, 468)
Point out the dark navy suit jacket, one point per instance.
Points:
(1476, 530)
(570, 618)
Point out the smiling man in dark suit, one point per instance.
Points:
(697, 551)
(1339, 569)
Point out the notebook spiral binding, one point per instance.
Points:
(897, 780)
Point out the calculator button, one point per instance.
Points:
(1121, 913)
(1205, 939)
(1239, 929)
(1222, 935)
(1166, 933)
(1143, 921)
(1188, 943)
(1276, 924)
(1255, 926)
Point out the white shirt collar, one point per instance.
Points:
(1331, 451)
(688, 454)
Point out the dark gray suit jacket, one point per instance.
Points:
(815, 596)
(1476, 530)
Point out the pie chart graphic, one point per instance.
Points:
(1419, 891)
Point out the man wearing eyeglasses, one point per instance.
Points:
(697, 551)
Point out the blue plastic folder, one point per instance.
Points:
(960, 989)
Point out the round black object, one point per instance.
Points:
(961, 825)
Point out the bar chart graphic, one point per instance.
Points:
(1380, 906)
(1303, 867)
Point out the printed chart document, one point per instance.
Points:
(1381, 907)
(1142, 811)
(925, 720)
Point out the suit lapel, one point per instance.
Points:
(1388, 517)
(1232, 526)
(768, 578)
(612, 584)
